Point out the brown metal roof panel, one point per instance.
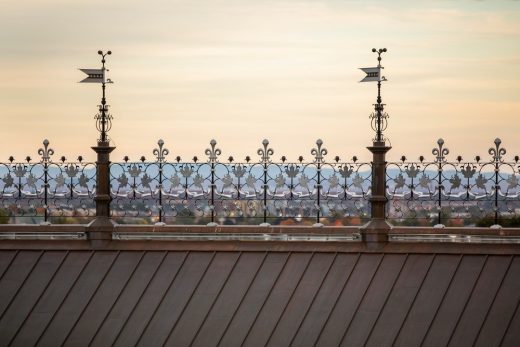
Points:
(51, 299)
(105, 297)
(173, 304)
(325, 299)
(278, 299)
(481, 299)
(455, 300)
(15, 276)
(351, 296)
(374, 300)
(77, 299)
(400, 300)
(256, 296)
(430, 296)
(148, 303)
(229, 299)
(22, 304)
(6, 257)
(502, 309)
(302, 299)
(202, 300)
(129, 298)
(512, 336)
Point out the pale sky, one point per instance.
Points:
(241, 71)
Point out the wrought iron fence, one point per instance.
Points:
(481, 192)
(35, 191)
(249, 192)
(260, 190)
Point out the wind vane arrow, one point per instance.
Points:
(95, 76)
(373, 74)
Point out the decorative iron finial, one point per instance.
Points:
(265, 152)
(379, 117)
(103, 118)
(46, 152)
(319, 152)
(498, 151)
(213, 152)
(160, 152)
(440, 153)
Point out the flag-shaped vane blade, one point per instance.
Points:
(94, 76)
(373, 74)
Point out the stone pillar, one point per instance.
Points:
(376, 231)
(101, 228)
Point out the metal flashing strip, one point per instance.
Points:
(235, 237)
(43, 236)
(455, 238)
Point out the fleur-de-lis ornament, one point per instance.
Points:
(160, 152)
(213, 152)
(497, 152)
(46, 152)
(319, 152)
(440, 153)
(265, 152)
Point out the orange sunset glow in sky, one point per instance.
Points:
(244, 70)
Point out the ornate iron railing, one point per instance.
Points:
(483, 192)
(35, 191)
(249, 192)
(260, 190)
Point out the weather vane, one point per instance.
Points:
(379, 117)
(103, 118)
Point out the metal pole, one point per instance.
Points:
(100, 229)
(265, 192)
(160, 191)
(375, 232)
(318, 191)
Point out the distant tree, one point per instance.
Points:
(4, 216)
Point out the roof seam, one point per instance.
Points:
(92, 296)
(442, 300)
(337, 299)
(22, 284)
(386, 300)
(216, 298)
(291, 297)
(242, 299)
(65, 297)
(267, 297)
(39, 298)
(191, 296)
(117, 299)
(510, 321)
(362, 298)
(314, 298)
(10, 263)
(186, 254)
(467, 300)
(141, 296)
(492, 301)
(414, 299)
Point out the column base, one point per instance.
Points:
(100, 231)
(375, 231)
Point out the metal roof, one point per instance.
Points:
(257, 298)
